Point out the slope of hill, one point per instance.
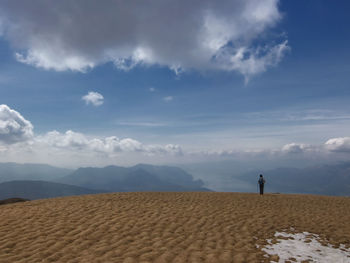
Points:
(40, 189)
(322, 179)
(174, 227)
(16, 171)
(137, 178)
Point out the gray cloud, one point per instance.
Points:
(296, 148)
(13, 126)
(197, 34)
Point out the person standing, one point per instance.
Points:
(261, 183)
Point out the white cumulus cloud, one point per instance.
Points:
(93, 98)
(77, 35)
(341, 144)
(13, 126)
(74, 141)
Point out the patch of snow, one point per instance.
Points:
(305, 246)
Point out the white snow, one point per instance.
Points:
(305, 246)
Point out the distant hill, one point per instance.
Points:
(16, 171)
(322, 179)
(137, 178)
(13, 200)
(40, 189)
(173, 175)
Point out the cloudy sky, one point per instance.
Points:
(120, 82)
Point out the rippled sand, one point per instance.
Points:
(164, 227)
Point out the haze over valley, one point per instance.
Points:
(37, 181)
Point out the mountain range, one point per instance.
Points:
(28, 171)
(141, 177)
(35, 181)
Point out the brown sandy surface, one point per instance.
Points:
(164, 227)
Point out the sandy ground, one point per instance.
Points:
(164, 227)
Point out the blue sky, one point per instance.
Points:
(169, 94)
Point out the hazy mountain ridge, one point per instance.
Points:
(64, 182)
(171, 174)
(28, 171)
(328, 179)
(137, 178)
(40, 189)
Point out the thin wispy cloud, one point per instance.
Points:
(298, 115)
(142, 123)
(168, 98)
(93, 98)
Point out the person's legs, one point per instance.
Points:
(261, 189)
